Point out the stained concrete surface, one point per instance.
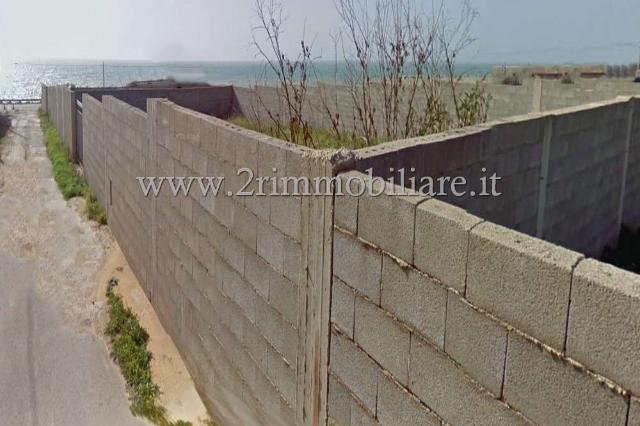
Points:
(54, 367)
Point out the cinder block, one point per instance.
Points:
(357, 264)
(271, 246)
(245, 226)
(603, 332)
(271, 155)
(360, 416)
(397, 407)
(346, 206)
(223, 209)
(448, 391)
(293, 261)
(283, 296)
(282, 375)
(442, 241)
(286, 215)
(257, 272)
(282, 336)
(415, 299)
(338, 403)
(234, 252)
(477, 342)
(355, 370)
(226, 138)
(634, 412)
(549, 391)
(242, 293)
(208, 136)
(383, 338)
(388, 220)
(342, 306)
(256, 345)
(247, 152)
(258, 204)
(522, 280)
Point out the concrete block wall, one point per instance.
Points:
(631, 213)
(561, 171)
(374, 310)
(458, 320)
(60, 106)
(95, 148)
(588, 153)
(210, 100)
(126, 138)
(511, 148)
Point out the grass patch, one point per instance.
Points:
(129, 350)
(70, 183)
(322, 138)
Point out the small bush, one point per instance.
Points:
(512, 80)
(566, 79)
(474, 106)
(129, 350)
(70, 183)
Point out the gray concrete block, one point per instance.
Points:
(549, 391)
(256, 345)
(397, 407)
(286, 215)
(283, 296)
(226, 138)
(282, 375)
(355, 370)
(634, 412)
(522, 280)
(383, 338)
(246, 146)
(245, 226)
(346, 206)
(271, 246)
(293, 268)
(240, 292)
(361, 417)
(282, 336)
(233, 253)
(415, 299)
(358, 265)
(476, 342)
(603, 332)
(271, 155)
(342, 306)
(448, 391)
(338, 402)
(257, 272)
(442, 241)
(388, 220)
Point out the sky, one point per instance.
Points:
(507, 31)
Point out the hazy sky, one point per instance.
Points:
(507, 30)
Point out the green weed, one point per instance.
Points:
(129, 350)
(70, 183)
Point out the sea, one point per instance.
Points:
(24, 79)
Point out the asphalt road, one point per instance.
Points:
(54, 367)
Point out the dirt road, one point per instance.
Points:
(54, 369)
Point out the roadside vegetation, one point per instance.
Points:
(71, 184)
(128, 342)
(394, 59)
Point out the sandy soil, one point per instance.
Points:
(178, 392)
